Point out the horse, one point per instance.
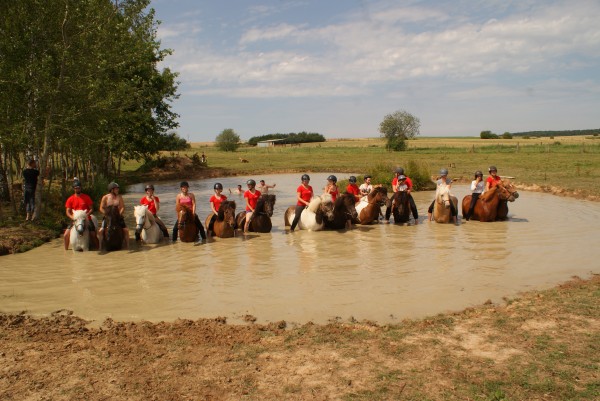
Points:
(261, 218)
(503, 206)
(441, 207)
(146, 226)
(369, 209)
(224, 225)
(79, 238)
(186, 224)
(344, 212)
(313, 218)
(112, 235)
(400, 207)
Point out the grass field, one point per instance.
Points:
(570, 163)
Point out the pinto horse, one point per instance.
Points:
(370, 209)
(146, 227)
(441, 207)
(112, 235)
(492, 205)
(313, 217)
(261, 218)
(224, 225)
(400, 207)
(186, 224)
(344, 212)
(79, 238)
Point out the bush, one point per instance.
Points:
(228, 140)
(507, 135)
(418, 172)
(488, 135)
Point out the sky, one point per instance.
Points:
(338, 67)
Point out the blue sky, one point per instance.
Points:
(337, 67)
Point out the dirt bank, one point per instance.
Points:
(544, 345)
(24, 237)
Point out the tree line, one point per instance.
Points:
(81, 89)
(292, 137)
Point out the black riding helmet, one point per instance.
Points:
(76, 183)
(251, 183)
(332, 178)
(401, 177)
(352, 179)
(218, 185)
(112, 186)
(149, 186)
(184, 184)
(492, 168)
(305, 177)
(478, 173)
(399, 170)
(444, 171)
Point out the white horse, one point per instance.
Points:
(146, 226)
(441, 207)
(312, 218)
(79, 237)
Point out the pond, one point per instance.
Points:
(382, 272)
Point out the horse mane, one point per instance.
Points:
(179, 206)
(224, 206)
(343, 198)
(314, 204)
(376, 191)
(79, 214)
(140, 210)
(112, 211)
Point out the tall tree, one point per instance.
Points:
(397, 127)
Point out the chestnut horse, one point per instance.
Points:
(186, 222)
(441, 207)
(224, 225)
(491, 205)
(370, 209)
(113, 232)
(344, 212)
(261, 218)
(400, 205)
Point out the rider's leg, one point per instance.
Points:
(200, 227)
(248, 220)
(413, 208)
(67, 238)
(298, 213)
(162, 226)
(175, 231)
(474, 198)
(430, 211)
(125, 238)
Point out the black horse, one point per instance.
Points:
(401, 206)
(344, 212)
(113, 229)
(261, 218)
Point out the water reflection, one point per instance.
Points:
(380, 272)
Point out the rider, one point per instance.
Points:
(153, 204)
(80, 201)
(352, 188)
(409, 186)
(477, 187)
(251, 195)
(493, 179)
(215, 205)
(304, 195)
(366, 187)
(188, 199)
(443, 180)
(113, 198)
(332, 188)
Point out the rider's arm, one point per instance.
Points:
(212, 207)
(102, 203)
(302, 200)
(193, 198)
(156, 203)
(121, 206)
(69, 213)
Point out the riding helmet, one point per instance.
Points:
(305, 177)
(352, 179)
(184, 184)
(399, 170)
(251, 182)
(332, 178)
(76, 183)
(478, 173)
(401, 177)
(492, 168)
(112, 186)
(149, 186)
(444, 171)
(367, 176)
(218, 185)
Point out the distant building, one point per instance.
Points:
(270, 142)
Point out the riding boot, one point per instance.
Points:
(137, 236)
(175, 231)
(200, 227)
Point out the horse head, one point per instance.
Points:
(112, 227)
(266, 204)
(347, 202)
(80, 221)
(227, 213)
(139, 212)
(378, 195)
(511, 189)
(326, 206)
(184, 214)
(442, 196)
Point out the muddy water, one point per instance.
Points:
(381, 272)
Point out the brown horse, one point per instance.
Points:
(400, 207)
(503, 206)
(186, 222)
(344, 212)
(261, 218)
(224, 225)
(486, 207)
(369, 210)
(112, 235)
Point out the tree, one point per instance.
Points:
(488, 135)
(228, 140)
(396, 128)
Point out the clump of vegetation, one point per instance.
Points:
(488, 135)
(300, 137)
(396, 128)
(228, 140)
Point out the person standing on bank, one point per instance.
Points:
(30, 179)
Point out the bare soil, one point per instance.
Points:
(543, 346)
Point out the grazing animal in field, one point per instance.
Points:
(244, 160)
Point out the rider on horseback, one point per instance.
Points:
(186, 198)
(305, 193)
(80, 201)
(113, 198)
(477, 187)
(332, 188)
(215, 205)
(443, 180)
(493, 179)
(352, 188)
(399, 172)
(251, 195)
(153, 204)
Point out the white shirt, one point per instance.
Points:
(477, 187)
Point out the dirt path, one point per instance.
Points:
(544, 346)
